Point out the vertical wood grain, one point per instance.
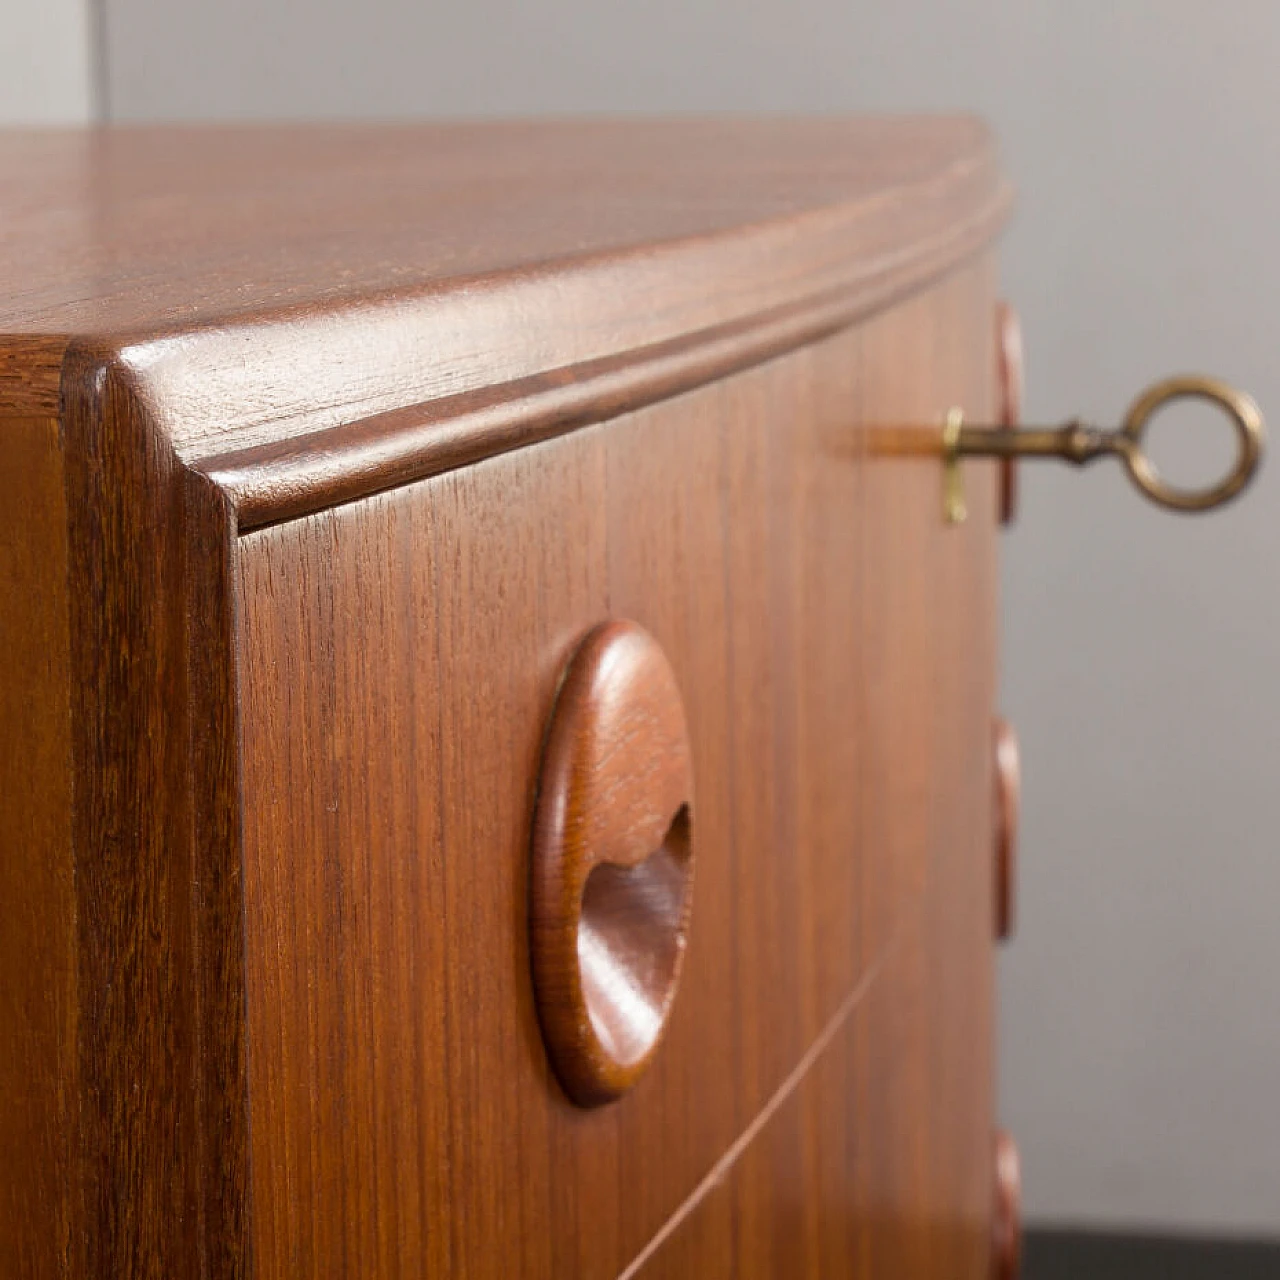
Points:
(217, 887)
(38, 973)
(400, 657)
(876, 1161)
(265, 994)
(131, 816)
(833, 645)
(927, 1062)
(415, 1054)
(666, 568)
(160, 1105)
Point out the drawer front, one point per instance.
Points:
(877, 1163)
(399, 659)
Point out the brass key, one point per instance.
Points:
(1079, 443)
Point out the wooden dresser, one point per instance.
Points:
(498, 749)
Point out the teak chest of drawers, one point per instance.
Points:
(324, 451)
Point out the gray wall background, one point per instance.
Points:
(45, 62)
(1140, 1038)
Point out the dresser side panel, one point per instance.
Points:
(154, 828)
(38, 976)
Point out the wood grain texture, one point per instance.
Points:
(144, 619)
(30, 373)
(1008, 807)
(1006, 1223)
(611, 866)
(133, 1161)
(128, 228)
(386, 889)
(281, 899)
(875, 1160)
(38, 987)
(1010, 387)
(403, 319)
(221, 1220)
(131, 826)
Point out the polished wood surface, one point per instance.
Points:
(329, 447)
(873, 1158)
(141, 229)
(611, 868)
(401, 313)
(38, 997)
(1009, 393)
(147, 1043)
(385, 911)
(1006, 1221)
(1007, 771)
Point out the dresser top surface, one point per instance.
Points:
(280, 305)
(152, 229)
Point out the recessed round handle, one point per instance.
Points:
(611, 882)
(1006, 1218)
(1008, 802)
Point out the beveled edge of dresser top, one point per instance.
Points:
(352, 344)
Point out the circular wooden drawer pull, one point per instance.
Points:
(1006, 1221)
(1008, 801)
(612, 862)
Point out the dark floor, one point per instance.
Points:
(1081, 1255)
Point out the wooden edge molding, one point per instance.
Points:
(294, 476)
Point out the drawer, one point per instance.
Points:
(834, 1179)
(399, 658)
